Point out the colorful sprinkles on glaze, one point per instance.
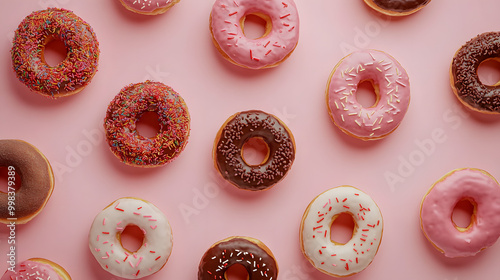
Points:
(219, 258)
(128, 106)
(387, 75)
(234, 134)
(105, 243)
(74, 72)
(341, 259)
(263, 52)
(464, 67)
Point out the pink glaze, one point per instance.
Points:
(32, 270)
(437, 209)
(263, 52)
(393, 97)
(147, 5)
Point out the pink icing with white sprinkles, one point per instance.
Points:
(262, 52)
(32, 270)
(105, 244)
(393, 84)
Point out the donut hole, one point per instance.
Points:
(463, 214)
(489, 72)
(342, 228)
(148, 124)
(9, 183)
(54, 52)
(255, 151)
(367, 94)
(131, 238)
(256, 25)
(236, 272)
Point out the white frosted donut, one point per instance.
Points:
(331, 257)
(105, 244)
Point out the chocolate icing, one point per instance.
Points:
(240, 128)
(464, 70)
(217, 260)
(36, 179)
(400, 5)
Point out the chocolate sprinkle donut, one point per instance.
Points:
(257, 259)
(464, 79)
(229, 142)
(400, 5)
(37, 180)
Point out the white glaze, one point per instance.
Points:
(107, 249)
(341, 259)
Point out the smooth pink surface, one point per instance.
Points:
(436, 135)
(438, 206)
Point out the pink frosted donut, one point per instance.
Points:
(392, 87)
(37, 269)
(278, 42)
(148, 7)
(483, 191)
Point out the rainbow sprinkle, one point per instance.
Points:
(128, 106)
(73, 73)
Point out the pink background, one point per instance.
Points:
(436, 136)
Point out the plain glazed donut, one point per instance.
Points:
(278, 42)
(74, 72)
(36, 176)
(251, 253)
(128, 106)
(235, 132)
(463, 74)
(148, 7)
(482, 191)
(333, 258)
(105, 243)
(392, 87)
(37, 269)
(397, 7)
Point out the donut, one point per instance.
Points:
(252, 254)
(392, 87)
(334, 258)
(397, 7)
(70, 76)
(281, 36)
(105, 238)
(148, 7)
(128, 106)
(463, 74)
(37, 181)
(228, 148)
(482, 191)
(37, 269)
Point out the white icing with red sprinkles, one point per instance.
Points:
(334, 258)
(105, 244)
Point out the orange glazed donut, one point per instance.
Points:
(30, 195)
(74, 72)
(128, 106)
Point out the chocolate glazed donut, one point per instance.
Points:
(397, 7)
(37, 180)
(236, 131)
(463, 73)
(248, 252)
